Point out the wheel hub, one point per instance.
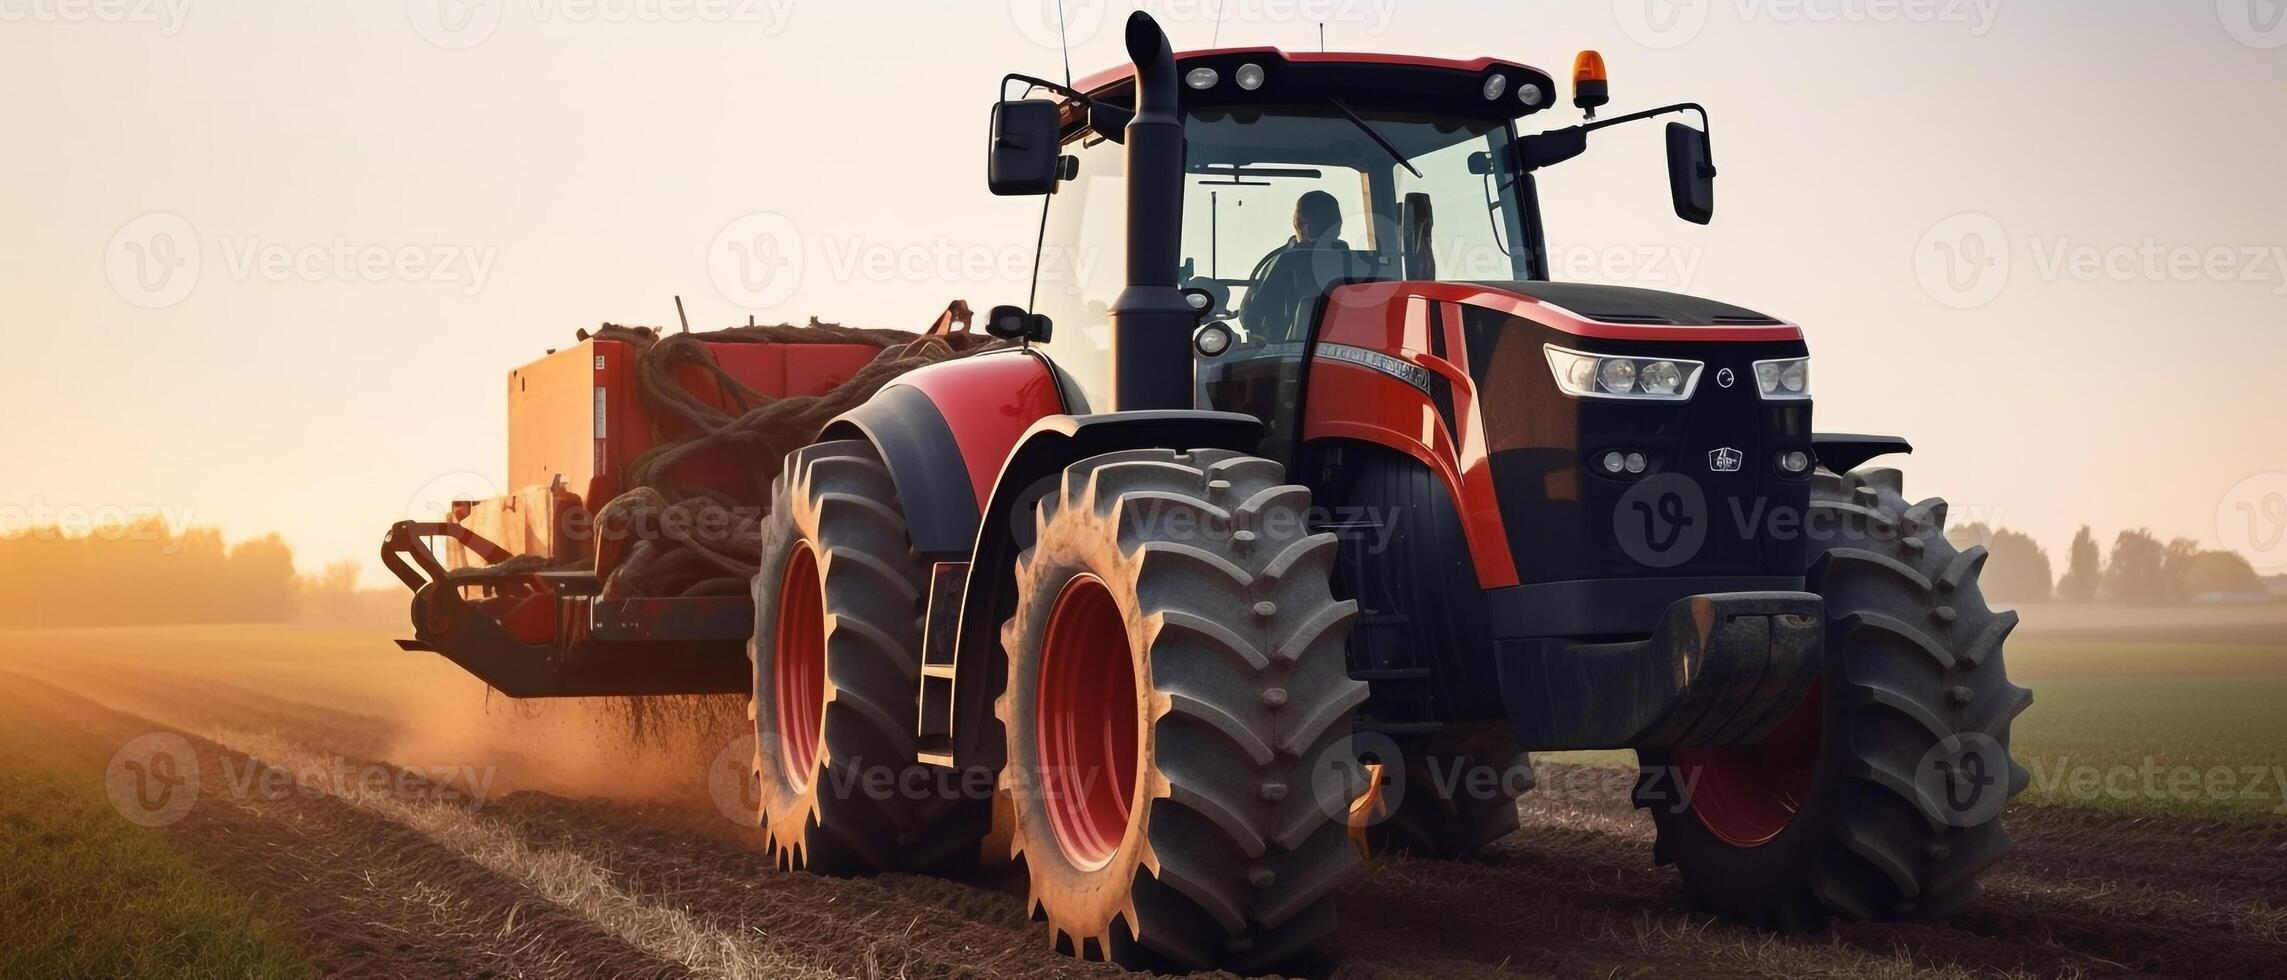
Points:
(1089, 720)
(798, 676)
(1747, 795)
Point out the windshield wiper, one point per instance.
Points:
(1368, 129)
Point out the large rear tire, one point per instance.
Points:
(837, 678)
(1179, 714)
(1881, 798)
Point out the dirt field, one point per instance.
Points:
(405, 824)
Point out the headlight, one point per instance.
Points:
(1787, 380)
(1584, 375)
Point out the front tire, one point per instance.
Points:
(1179, 713)
(1881, 798)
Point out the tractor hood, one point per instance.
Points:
(1630, 305)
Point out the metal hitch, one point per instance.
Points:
(1718, 669)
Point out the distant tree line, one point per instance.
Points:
(148, 574)
(2141, 570)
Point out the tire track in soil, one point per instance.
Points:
(2085, 894)
(367, 897)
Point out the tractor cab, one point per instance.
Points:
(1299, 172)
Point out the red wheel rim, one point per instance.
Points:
(1089, 720)
(1749, 794)
(798, 667)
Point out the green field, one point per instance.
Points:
(2180, 728)
(84, 893)
(2144, 723)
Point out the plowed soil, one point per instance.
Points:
(594, 851)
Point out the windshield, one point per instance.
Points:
(1279, 204)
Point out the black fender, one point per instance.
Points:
(980, 666)
(1843, 452)
(917, 445)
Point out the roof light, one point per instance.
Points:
(1249, 76)
(1495, 86)
(1589, 88)
(1201, 78)
(1530, 94)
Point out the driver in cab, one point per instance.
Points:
(1289, 280)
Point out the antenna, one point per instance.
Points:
(680, 316)
(1322, 37)
(1220, 9)
(1064, 40)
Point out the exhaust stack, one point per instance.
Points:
(1151, 323)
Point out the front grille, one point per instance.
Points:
(1567, 521)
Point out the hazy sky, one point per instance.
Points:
(2045, 240)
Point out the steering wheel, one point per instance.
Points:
(1255, 279)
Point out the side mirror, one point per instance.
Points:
(1691, 174)
(1013, 323)
(1025, 158)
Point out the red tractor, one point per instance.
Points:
(1147, 595)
